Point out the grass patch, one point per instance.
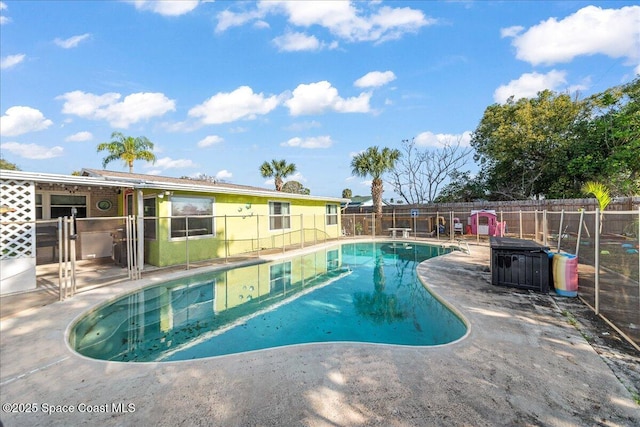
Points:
(570, 318)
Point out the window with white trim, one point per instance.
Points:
(150, 220)
(279, 215)
(192, 215)
(332, 214)
(51, 205)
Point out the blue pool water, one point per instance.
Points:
(360, 292)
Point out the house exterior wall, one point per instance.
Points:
(241, 226)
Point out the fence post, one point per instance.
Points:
(324, 225)
(301, 231)
(226, 241)
(560, 230)
(520, 222)
(597, 262)
(186, 239)
(545, 227)
(60, 258)
(536, 226)
(373, 224)
(72, 254)
(579, 231)
(452, 231)
(258, 234)
(353, 221)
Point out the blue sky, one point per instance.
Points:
(222, 86)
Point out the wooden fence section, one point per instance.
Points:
(522, 218)
(590, 204)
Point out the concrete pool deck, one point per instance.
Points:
(522, 363)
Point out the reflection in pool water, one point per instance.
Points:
(363, 292)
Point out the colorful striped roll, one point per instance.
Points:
(565, 274)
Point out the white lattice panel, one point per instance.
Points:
(17, 229)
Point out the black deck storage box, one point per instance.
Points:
(520, 264)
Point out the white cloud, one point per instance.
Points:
(167, 7)
(224, 175)
(210, 140)
(242, 103)
(529, 84)
(132, 109)
(590, 31)
(296, 42)
(346, 21)
(438, 140)
(375, 79)
(4, 19)
(169, 163)
(11, 60)
(309, 142)
(79, 137)
(228, 19)
(511, 31)
(33, 151)
(351, 21)
(19, 120)
(316, 98)
(71, 41)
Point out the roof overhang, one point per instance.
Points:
(51, 178)
(150, 184)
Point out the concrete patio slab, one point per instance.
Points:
(521, 364)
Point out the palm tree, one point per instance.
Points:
(373, 162)
(127, 148)
(278, 169)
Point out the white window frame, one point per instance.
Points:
(281, 216)
(147, 220)
(191, 237)
(331, 215)
(46, 201)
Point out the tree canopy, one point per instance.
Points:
(551, 145)
(128, 149)
(277, 169)
(374, 162)
(4, 164)
(295, 187)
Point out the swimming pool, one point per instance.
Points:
(356, 292)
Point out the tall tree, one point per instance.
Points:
(421, 172)
(346, 193)
(277, 169)
(607, 141)
(518, 144)
(375, 162)
(128, 149)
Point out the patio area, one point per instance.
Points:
(527, 360)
